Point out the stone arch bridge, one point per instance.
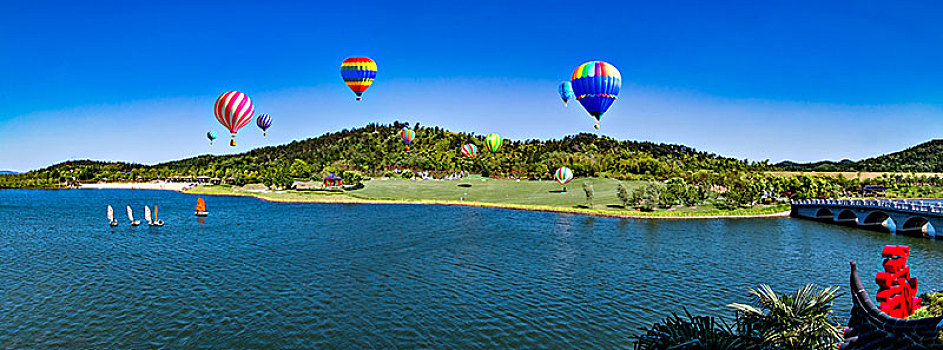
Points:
(907, 217)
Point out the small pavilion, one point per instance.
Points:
(332, 180)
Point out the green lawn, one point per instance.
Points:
(495, 191)
(539, 195)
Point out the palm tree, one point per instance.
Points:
(801, 320)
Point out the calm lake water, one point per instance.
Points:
(256, 274)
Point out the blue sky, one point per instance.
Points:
(136, 81)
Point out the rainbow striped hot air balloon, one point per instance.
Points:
(263, 121)
(596, 85)
(470, 150)
(566, 92)
(407, 135)
(234, 110)
(563, 175)
(358, 73)
(493, 143)
(211, 135)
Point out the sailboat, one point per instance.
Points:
(201, 207)
(131, 217)
(156, 221)
(111, 216)
(147, 215)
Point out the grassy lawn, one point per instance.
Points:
(539, 195)
(495, 191)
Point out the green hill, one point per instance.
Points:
(923, 158)
(377, 150)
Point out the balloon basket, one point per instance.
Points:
(597, 126)
(232, 142)
(359, 98)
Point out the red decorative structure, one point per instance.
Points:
(332, 180)
(897, 293)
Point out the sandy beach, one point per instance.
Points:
(170, 186)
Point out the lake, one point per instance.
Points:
(256, 274)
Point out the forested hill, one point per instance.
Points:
(923, 158)
(378, 149)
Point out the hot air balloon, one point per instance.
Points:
(407, 135)
(563, 175)
(470, 150)
(211, 135)
(358, 73)
(263, 121)
(566, 92)
(596, 85)
(234, 110)
(493, 143)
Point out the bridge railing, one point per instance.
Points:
(900, 204)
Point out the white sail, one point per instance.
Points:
(130, 214)
(147, 214)
(111, 214)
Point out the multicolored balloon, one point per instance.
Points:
(596, 85)
(407, 135)
(566, 92)
(211, 135)
(263, 121)
(234, 110)
(493, 143)
(358, 73)
(563, 175)
(470, 150)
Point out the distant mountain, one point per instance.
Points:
(923, 158)
(7, 172)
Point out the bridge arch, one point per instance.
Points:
(875, 218)
(918, 226)
(879, 220)
(824, 213)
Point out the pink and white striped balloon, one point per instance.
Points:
(234, 110)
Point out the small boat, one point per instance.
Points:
(131, 217)
(156, 221)
(111, 216)
(201, 207)
(147, 215)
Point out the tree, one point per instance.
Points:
(802, 320)
(300, 169)
(588, 188)
(744, 189)
(623, 193)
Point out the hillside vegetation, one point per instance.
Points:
(377, 149)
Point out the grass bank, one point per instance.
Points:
(493, 193)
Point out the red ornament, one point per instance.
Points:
(897, 290)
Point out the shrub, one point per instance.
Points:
(694, 332)
(588, 188)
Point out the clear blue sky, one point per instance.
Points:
(136, 81)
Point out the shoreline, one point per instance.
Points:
(345, 199)
(166, 186)
(524, 207)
